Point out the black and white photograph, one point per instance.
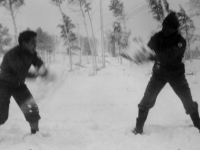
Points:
(99, 74)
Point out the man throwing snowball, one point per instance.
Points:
(14, 69)
(169, 47)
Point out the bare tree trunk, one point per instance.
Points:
(125, 31)
(94, 51)
(113, 49)
(80, 54)
(56, 50)
(13, 19)
(102, 36)
(124, 24)
(188, 45)
(117, 42)
(87, 33)
(190, 51)
(120, 58)
(70, 58)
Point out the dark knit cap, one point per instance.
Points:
(171, 20)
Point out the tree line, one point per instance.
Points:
(115, 40)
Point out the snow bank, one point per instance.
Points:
(82, 112)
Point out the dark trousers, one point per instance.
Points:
(180, 87)
(23, 98)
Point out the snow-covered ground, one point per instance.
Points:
(84, 112)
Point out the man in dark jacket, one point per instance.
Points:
(169, 47)
(14, 69)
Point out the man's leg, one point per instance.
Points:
(181, 88)
(4, 103)
(28, 106)
(195, 119)
(154, 87)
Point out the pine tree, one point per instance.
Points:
(187, 27)
(121, 34)
(117, 7)
(66, 29)
(46, 44)
(67, 35)
(166, 6)
(87, 10)
(80, 4)
(12, 6)
(5, 38)
(159, 9)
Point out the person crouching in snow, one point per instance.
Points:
(14, 69)
(169, 47)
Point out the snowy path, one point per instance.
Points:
(98, 112)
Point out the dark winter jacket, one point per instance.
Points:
(169, 53)
(16, 64)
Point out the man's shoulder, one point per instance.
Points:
(158, 34)
(155, 36)
(13, 51)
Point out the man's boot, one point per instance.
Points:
(195, 119)
(142, 116)
(34, 127)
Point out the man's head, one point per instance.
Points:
(27, 40)
(170, 24)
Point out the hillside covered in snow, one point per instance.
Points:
(84, 112)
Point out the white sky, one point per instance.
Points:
(41, 13)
